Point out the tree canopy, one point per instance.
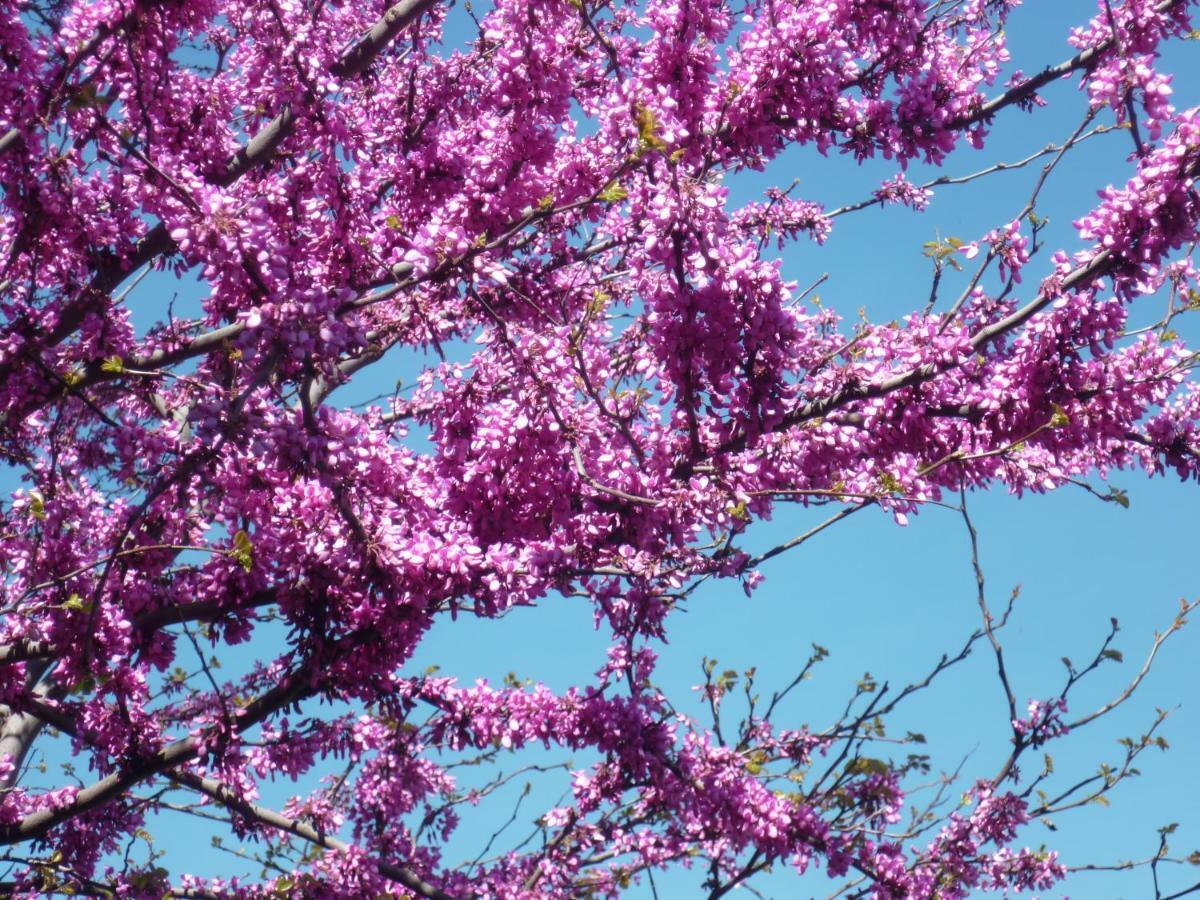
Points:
(621, 382)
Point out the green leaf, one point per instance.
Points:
(75, 603)
(1059, 419)
(614, 193)
(1116, 495)
(890, 483)
(88, 98)
(114, 365)
(393, 221)
(1114, 655)
(865, 765)
(754, 765)
(648, 136)
(243, 550)
(598, 303)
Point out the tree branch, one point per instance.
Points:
(37, 824)
(382, 33)
(227, 798)
(1030, 86)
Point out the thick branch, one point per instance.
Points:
(37, 824)
(260, 148)
(197, 611)
(23, 650)
(379, 36)
(20, 730)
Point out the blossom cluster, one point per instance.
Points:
(1044, 722)
(897, 189)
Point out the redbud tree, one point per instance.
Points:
(619, 381)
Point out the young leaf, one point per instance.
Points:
(243, 550)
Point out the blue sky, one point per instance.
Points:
(891, 600)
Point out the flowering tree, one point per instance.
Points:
(642, 385)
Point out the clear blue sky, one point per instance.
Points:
(891, 600)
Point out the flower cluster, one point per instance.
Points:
(1153, 214)
(1128, 35)
(1006, 244)
(1044, 722)
(898, 189)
